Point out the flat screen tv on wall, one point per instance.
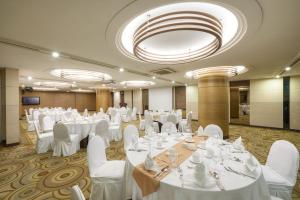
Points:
(31, 100)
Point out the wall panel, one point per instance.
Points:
(137, 100)
(266, 102)
(192, 100)
(160, 98)
(295, 102)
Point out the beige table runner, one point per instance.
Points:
(146, 179)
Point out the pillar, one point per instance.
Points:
(213, 101)
(103, 99)
(9, 115)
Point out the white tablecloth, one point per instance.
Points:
(237, 187)
(85, 127)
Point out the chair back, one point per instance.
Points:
(168, 127)
(131, 134)
(61, 133)
(101, 110)
(213, 130)
(284, 159)
(148, 120)
(27, 116)
(41, 117)
(37, 129)
(102, 128)
(189, 118)
(76, 193)
(172, 118)
(35, 115)
(95, 154)
(30, 111)
(47, 123)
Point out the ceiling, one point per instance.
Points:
(88, 31)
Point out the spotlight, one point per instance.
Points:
(288, 68)
(55, 54)
(153, 77)
(121, 69)
(173, 82)
(29, 78)
(277, 76)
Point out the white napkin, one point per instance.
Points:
(238, 144)
(149, 163)
(200, 174)
(251, 163)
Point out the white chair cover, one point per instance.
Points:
(64, 143)
(131, 134)
(107, 176)
(30, 125)
(102, 130)
(76, 193)
(213, 130)
(30, 111)
(126, 116)
(185, 125)
(47, 124)
(44, 141)
(35, 115)
(142, 122)
(179, 114)
(101, 110)
(133, 113)
(168, 127)
(149, 122)
(281, 169)
(172, 118)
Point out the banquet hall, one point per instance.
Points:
(149, 99)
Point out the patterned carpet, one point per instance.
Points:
(27, 175)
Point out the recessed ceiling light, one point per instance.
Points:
(288, 68)
(74, 82)
(153, 77)
(277, 76)
(189, 74)
(80, 75)
(173, 82)
(103, 85)
(186, 85)
(55, 54)
(121, 69)
(29, 78)
(23, 86)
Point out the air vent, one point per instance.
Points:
(163, 71)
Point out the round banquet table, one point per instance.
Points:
(236, 186)
(85, 127)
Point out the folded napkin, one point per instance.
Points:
(238, 144)
(149, 163)
(251, 163)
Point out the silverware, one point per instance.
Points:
(239, 173)
(164, 169)
(216, 176)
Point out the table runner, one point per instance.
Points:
(145, 178)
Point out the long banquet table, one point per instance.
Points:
(171, 187)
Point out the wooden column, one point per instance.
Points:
(213, 101)
(103, 99)
(234, 102)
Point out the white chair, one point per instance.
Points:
(76, 193)
(127, 116)
(107, 176)
(101, 110)
(30, 111)
(47, 124)
(280, 171)
(67, 115)
(102, 130)
(65, 143)
(40, 120)
(200, 131)
(168, 127)
(213, 130)
(30, 125)
(149, 122)
(35, 115)
(179, 115)
(133, 114)
(131, 135)
(172, 118)
(44, 141)
(186, 124)
(142, 122)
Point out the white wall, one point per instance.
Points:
(137, 100)
(295, 102)
(160, 98)
(192, 100)
(266, 102)
(117, 99)
(128, 97)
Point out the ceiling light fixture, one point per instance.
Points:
(287, 68)
(153, 77)
(83, 90)
(80, 75)
(121, 69)
(29, 78)
(181, 32)
(55, 54)
(173, 82)
(277, 76)
(138, 84)
(220, 70)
